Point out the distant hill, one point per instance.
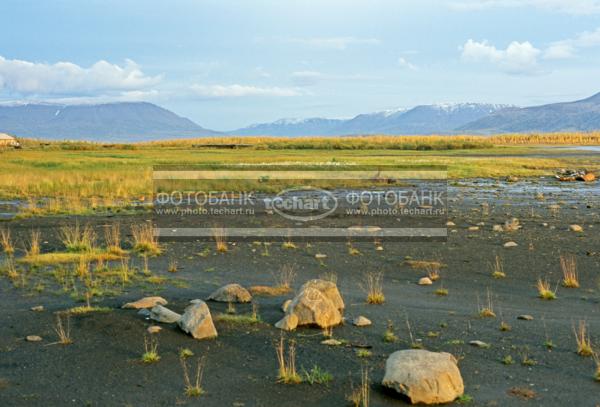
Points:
(114, 122)
(581, 115)
(426, 119)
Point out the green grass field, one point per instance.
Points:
(80, 175)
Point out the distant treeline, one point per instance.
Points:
(416, 143)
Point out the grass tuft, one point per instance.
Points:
(544, 290)
(568, 265)
(77, 239)
(150, 354)
(6, 241)
(220, 239)
(287, 365)
(584, 344)
(316, 375)
(193, 388)
(144, 240)
(373, 286)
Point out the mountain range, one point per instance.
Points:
(141, 121)
(114, 122)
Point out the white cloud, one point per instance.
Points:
(568, 48)
(66, 78)
(576, 7)
(234, 91)
(402, 62)
(310, 78)
(307, 78)
(337, 43)
(517, 58)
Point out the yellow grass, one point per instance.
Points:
(266, 290)
(584, 344)
(287, 365)
(373, 286)
(76, 238)
(6, 242)
(424, 264)
(67, 257)
(112, 237)
(220, 239)
(568, 265)
(34, 243)
(144, 240)
(544, 290)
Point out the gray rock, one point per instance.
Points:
(197, 321)
(231, 293)
(361, 321)
(163, 314)
(423, 376)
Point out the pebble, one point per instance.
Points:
(154, 329)
(479, 344)
(361, 321)
(331, 342)
(425, 281)
(34, 338)
(525, 317)
(575, 228)
(510, 244)
(37, 308)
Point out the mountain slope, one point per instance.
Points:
(581, 115)
(291, 127)
(428, 119)
(117, 122)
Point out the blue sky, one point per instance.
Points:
(226, 64)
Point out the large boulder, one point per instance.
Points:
(146, 302)
(318, 303)
(231, 293)
(424, 377)
(163, 314)
(197, 321)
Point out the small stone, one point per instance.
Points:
(37, 308)
(425, 281)
(331, 342)
(479, 344)
(498, 228)
(146, 302)
(154, 329)
(34, 338)
(361, 321)
(473, 228)
(450, 223)
(576, 228)
(320, 256)
(145, 312)
(510, 244)
(545, 224)
(379, 248)
(525, 317)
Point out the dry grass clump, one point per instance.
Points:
(63, 331)
(77, 239)
(544, 290)
(498, 268)
(487, 311)
(220, 239)
(144, 240)
(193, 388)
(584, 344)
(287, 365)
(373, 286)
(285, 276)
(150, 354)
(267, 290)
(433, 272)
(6, 241)
(172, 267)
(597, 373)
(359, 397)
(33, 248)
(112, 236)
(568, 265)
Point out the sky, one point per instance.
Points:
(229, 63)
